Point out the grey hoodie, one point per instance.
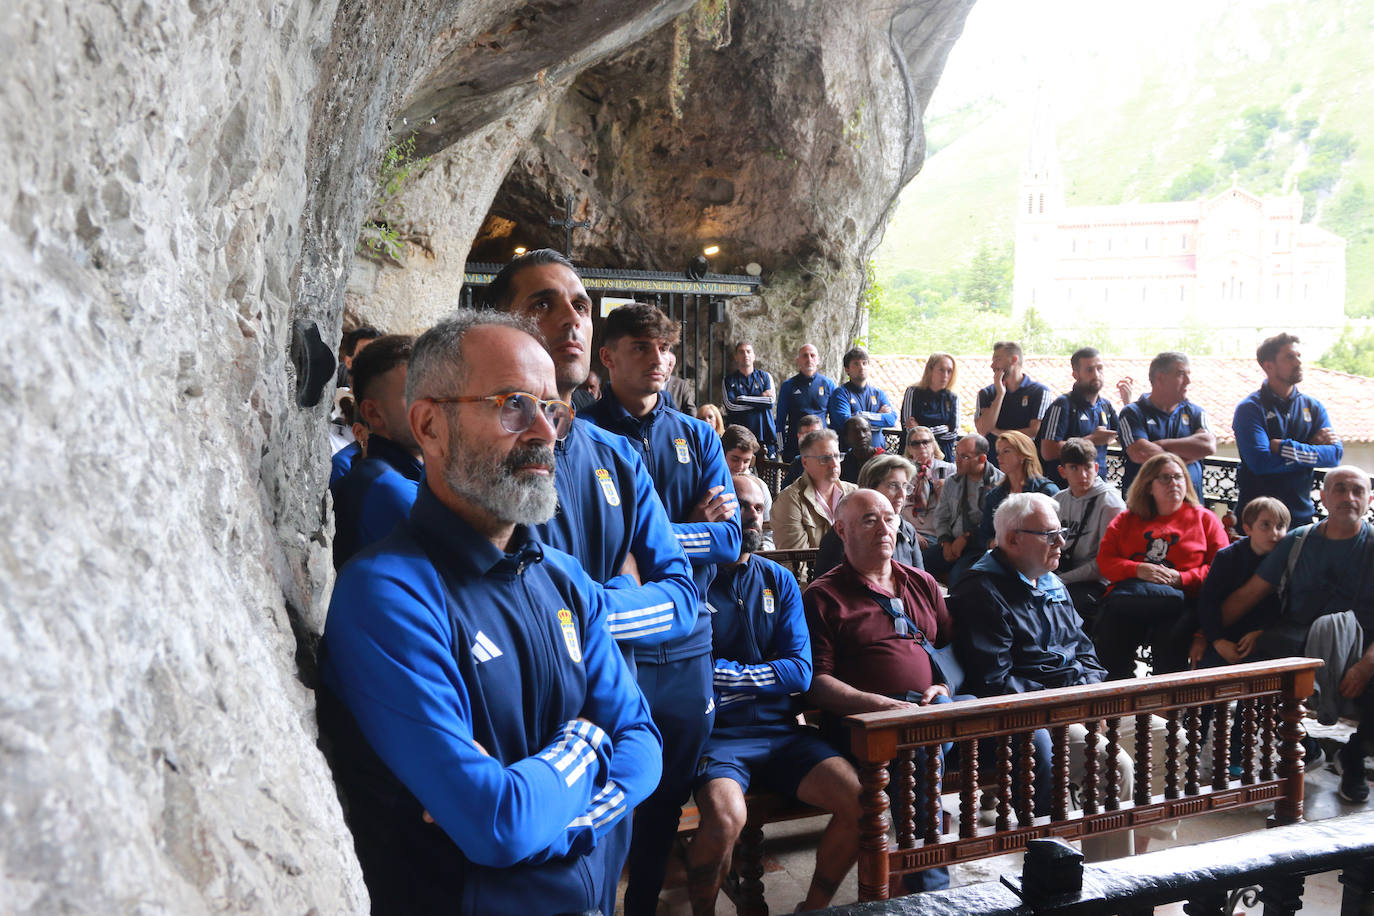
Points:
(1086, 519)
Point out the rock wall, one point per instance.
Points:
(184, 180)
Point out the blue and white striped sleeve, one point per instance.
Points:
(790, 670)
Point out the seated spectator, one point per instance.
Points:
(587, 393)
(1264, 521)
(1085, 509)
(1017, 458)
(762, 654)
(891, 476)
(805, 511)
(805, 427)
(1155, 555)
(960, 510)
(1324, 574)
(932, 404)
(1018, 632)
(712, 415)
(741, 447)
(858, 442)
(931, 474)
(378, 490)
(870, 621)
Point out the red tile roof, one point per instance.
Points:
(1218, 384)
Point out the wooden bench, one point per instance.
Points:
(1269, 697)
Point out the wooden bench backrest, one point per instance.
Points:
(1270, 698)
(801, 563)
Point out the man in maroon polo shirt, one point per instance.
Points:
(868, 617)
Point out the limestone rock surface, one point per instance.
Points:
(183, 181)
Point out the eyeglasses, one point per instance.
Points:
(893, 486)
(823, 459)
(519, 408)
(922, 442)
(1172, 478)
(1056, 535)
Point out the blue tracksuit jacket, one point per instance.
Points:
(798, 397)
(1070, 416)
(1143, 420)
(1286, 476)
(373, 497)
(607, 509)
(685, 459)
(745, 403)
(760, 644)
(464, 669)
(850, 399)
(938, 411)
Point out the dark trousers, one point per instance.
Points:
(678, 694)
(1087, 601)
(1137, 613)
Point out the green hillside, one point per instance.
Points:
(1161, 102)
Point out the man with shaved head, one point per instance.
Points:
(870, 620)
(1324, 574)
(805, 394)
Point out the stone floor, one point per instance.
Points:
(791, 849)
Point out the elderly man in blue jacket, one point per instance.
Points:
(487, 734)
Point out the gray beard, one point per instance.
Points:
(753, 541)
(491, 483)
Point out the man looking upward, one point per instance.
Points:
(805, 394)
(608, 515)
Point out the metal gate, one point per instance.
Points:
(698, 306)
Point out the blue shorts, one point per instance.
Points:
(779, 756)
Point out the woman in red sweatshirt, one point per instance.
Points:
(1156, 555)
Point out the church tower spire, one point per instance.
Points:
(1039, 203)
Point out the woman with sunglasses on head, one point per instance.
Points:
(932, 403)
(1156, 555)
(1017, 458)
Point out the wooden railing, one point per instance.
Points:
(801, 562)
(1269, 698)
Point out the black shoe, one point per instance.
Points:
(1313, 755)
(1354, 787)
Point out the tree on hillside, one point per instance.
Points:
(1353, 352)
(987, 281)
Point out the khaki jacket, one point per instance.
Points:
(798, 522)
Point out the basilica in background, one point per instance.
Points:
(1241, 265)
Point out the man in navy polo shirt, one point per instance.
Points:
(1081, 414)
(687, 463)
(1282, 434)
(749, 397)
(1014, 400)
(608, 516)
(858, 398)
(1164, 420)
(378, 491)
(805, 394)
(487, 734)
